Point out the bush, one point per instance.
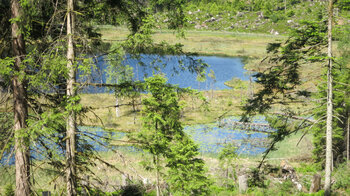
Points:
(290, 13)
(9, 191)
(132, 190)
(342, 179)
(308, 168)
(276, 17)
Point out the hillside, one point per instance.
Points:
(272, 17)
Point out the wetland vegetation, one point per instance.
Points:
(174, 97)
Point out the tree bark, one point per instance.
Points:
(329, 130)
(71, 119)
(20, 107)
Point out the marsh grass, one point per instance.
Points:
(221, 103)
(219, 43)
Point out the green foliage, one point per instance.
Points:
(186, 174)
(275, 17)
(227, 157)
(290, 13)
(343, 4)
(257, 179)
(162, 135)
(341, 176)
(228, 153)
(341, 105)
(9, 190)
(6, 66)
(308, 168)
(285, 59)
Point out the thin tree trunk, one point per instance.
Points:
(329, 130)
(157, 175)
(71, 119)
(116, 106)
(20, 107)
(348, 140)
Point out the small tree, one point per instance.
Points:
(227, 156)
(162, 135)
(213, 78)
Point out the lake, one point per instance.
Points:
(210, 138)
(225, 68)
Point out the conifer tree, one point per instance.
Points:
(19, 85)
(163, 136)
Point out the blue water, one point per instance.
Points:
(225, 68)
(209, 137)
(212, 139)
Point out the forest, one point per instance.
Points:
(174, 97)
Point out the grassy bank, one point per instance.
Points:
(221, 43)
(195, 111)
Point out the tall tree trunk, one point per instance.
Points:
(71, 119)
(329, 130)
(20, 107)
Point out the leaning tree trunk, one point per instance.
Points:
(20, 106)
(71, 119)
(329, 157)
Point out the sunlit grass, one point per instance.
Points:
(221, 43)
(223, 102)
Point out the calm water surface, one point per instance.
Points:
(225, 68)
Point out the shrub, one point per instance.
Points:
(9, 191)
(341, 176)
(290, 13)
(276, 17)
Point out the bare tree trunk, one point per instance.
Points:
(116, 106)
(20, 107)
(157, 175)
(329, 130)
(71, 119)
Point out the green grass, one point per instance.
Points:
(220, 43)
(226, 102)
(289, 149)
